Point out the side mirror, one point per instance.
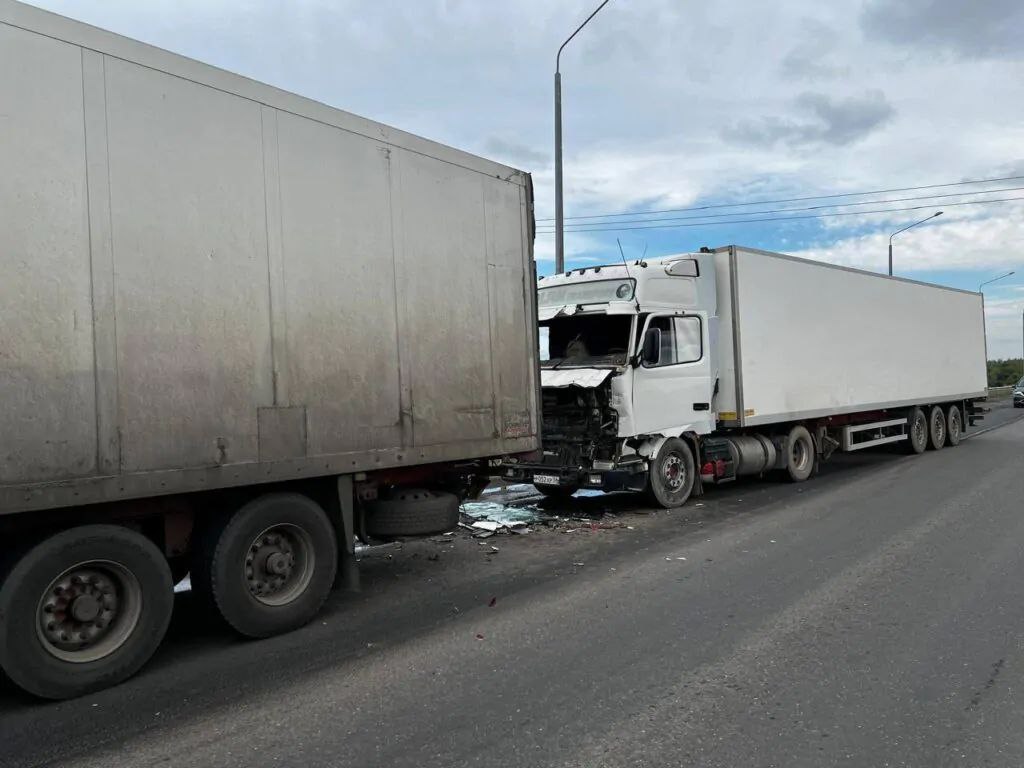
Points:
(650, 352)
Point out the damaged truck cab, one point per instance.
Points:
(666, 375)
(618, 344)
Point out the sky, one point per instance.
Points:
(678, 103)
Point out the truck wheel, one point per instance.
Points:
(954, 426)
(936, 428)
(800, 454)
(269, 567)
(917, 431)
(557, 491)
(671, 475)
(83, 610)
(412, 512)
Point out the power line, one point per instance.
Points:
(788, 200)
(795, 210)
(613, 228)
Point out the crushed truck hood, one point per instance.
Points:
(578, 377)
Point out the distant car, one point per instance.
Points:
(1018, 394)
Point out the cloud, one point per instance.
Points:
(515, 153)
(813, 55)
(979, 29)
(833, 121)
(578, 247)
(988, 240)
(647, 89)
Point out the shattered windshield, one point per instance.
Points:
(585, 340)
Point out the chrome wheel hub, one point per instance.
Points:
(674, 472)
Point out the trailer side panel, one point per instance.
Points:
(820, 340)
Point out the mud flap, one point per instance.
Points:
(348, 567)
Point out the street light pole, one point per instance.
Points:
(984, 322)
(1011, 272)
(922, 221)
(559, 217)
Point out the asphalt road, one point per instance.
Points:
(869, 617)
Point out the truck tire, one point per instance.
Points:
(412, 512)
(671, 475)
(954, 426)
(557, 491)
(917, 431)
(799, 454)
(936, 428)
(268, 567)
(83, 610)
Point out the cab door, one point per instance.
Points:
(672, 383)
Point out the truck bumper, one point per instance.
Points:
(619, 479)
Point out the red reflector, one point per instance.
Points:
(719, 468)
(707, 469)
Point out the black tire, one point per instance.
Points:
(954, 426)
(412, 512)
(121, 585)
(671, 475)
(917, 432)
(799, 454)
(557, 491)
(269, 567)
(936, 428)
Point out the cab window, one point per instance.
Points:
(680, 340)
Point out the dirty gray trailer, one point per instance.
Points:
(239, 328)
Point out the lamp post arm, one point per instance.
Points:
(558, 56)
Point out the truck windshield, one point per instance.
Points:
(585, 340)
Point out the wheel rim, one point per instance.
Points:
(279, 564)
(954, 425)
(940, 428)
(89, 611)
(673, 472)
(920, 430)
(799, 455)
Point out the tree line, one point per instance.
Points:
(1003, 373)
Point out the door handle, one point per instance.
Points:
(702, 406)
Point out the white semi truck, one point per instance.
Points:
(671, 374)
(239, 329)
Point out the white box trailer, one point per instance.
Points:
(238, 328)
(802, 339)
(666, 375)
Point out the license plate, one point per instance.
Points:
(545, 479)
